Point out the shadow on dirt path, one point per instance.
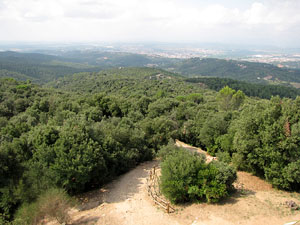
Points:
(114, 192)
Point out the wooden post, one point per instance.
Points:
(154, 170)
(168, 208)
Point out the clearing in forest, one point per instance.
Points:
(126, 201)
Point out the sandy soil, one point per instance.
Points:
(125, 201)
(209, 158)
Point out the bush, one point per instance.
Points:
(178, 172)
(223, 157)
(238, 161)
(52, 204)
(291, 173)
(171, 148)
(207, 185)
(167, 150)
(226, 174)
(186, 177)
(2, 219)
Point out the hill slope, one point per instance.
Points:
(143, 81)
(250, 89)
(109, 122)
(41, 68)
(239, 70)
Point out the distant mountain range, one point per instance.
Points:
(42, 68)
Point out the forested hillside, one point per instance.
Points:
(41, 68)
(239, 70)
(250, 89)
(95, 126)
(38, 68)
(143, 81)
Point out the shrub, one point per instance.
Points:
(2, 219)
(167, 150)
(179, 172)
(223, 157)
(171, 148)
(226, 174)
(238, 161)
(53, 204)
(207, 185)
(186, 177)
(291, 173)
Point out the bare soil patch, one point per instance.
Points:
(296, 85)
(209, 158)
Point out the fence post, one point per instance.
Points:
(168, 208)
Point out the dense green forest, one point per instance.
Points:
(41, 68)
(38, 68)
(250, 89)
(238, 70)
(84, 127)
(81, 131)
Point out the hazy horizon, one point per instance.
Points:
(231, 22)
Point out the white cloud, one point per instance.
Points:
(91, 10)
(159, 20)
(256, 14)
(32, 10)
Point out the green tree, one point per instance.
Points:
(229, 99)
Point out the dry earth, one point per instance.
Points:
(209, 158)
(125, 201)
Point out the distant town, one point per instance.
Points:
(279, 57)
(289, 58)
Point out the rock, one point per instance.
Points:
(291, 204)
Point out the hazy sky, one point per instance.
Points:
(274, 22)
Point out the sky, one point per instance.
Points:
(265, 22)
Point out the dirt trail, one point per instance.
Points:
(209, 158)
(125, 201)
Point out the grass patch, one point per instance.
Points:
(52, 204)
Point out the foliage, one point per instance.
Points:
(213, 128)
(230, 99)
(168, 149)
(52, 204)
(42, 68)
(266, 140)
(250, 89)
(95, 126)
(186, 177)
(239, 70)
(179, 172)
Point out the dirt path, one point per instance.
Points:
(125, 201)
(209, 158)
